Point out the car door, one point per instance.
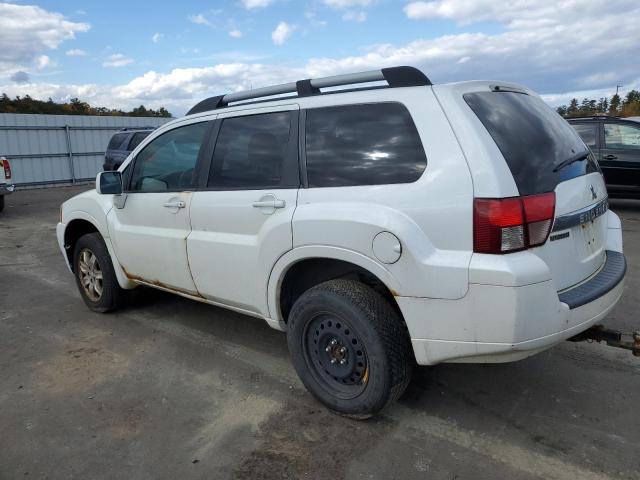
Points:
(620, 155)
(241, 222)
(150, 224)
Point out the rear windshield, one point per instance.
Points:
(534, 140)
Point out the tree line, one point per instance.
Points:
(74, 106)
(629, 106)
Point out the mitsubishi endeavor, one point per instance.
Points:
(376, 218)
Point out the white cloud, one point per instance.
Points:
(199, 19)
(235, 33)
(27, 31)
(355, 16)
(340, 4)
(282, 32)
(253, 4)
(117, 60)
(43, 61)
(545, 51)
(75, 52)
(156, 37)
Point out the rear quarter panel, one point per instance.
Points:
(432, 217)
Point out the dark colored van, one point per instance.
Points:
(121, 144)
(616, 143)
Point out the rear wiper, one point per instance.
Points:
(576, 158)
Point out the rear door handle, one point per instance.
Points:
(269, 201)
(177, 204)
(609, 157)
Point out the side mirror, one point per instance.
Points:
(109, 183)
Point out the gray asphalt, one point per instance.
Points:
(169, 388)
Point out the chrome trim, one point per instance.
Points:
(579, 217)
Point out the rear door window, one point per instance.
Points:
(253, 152)
(587, 132)
(533, 139)
(622, 136)
(364, 144)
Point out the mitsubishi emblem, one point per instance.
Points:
(594, 195)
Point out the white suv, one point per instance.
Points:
(378, 226)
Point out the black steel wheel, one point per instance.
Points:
(349, 347)
(336, 355)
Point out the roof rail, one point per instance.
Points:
(394, 76)
(128, 129)
(584, 117)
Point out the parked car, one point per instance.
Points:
(6, 187)
(616, 143)
(123, 143)
(377, 226)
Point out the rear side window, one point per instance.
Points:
(622, 136)
(366, 144)
(136, 139)
(251, 153)
(117, 140)
(533, 139)
(587, 131)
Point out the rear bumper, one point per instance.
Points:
(500, 324)
(609, 276)
(6, 188)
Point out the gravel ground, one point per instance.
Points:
(169, 388)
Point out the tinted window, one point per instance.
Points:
(587, 131)
(168, 162)
(533, 139)
(117, 140)
(368, 144)
(621, 136)
(251, 151)
(136, 139)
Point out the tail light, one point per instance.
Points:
(504, 225)
(7, 168)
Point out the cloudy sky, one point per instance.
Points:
(123, 54)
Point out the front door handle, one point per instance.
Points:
(609, 157)
(177, 204)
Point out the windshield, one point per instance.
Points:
(533, 139)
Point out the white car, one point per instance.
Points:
(377, 225)
(6, 187)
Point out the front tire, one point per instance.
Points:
(349, 347)
(95, 276)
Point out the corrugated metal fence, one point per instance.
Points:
(51, 149)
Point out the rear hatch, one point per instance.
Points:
(545, 154)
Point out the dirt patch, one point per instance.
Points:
(249, 412)
(303, 442)
(79, 369)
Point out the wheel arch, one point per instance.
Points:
(303, 267)
(75, 229)
(81, 223)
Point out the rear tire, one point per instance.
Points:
(349, 347)
(1, 203)
(95, 276)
